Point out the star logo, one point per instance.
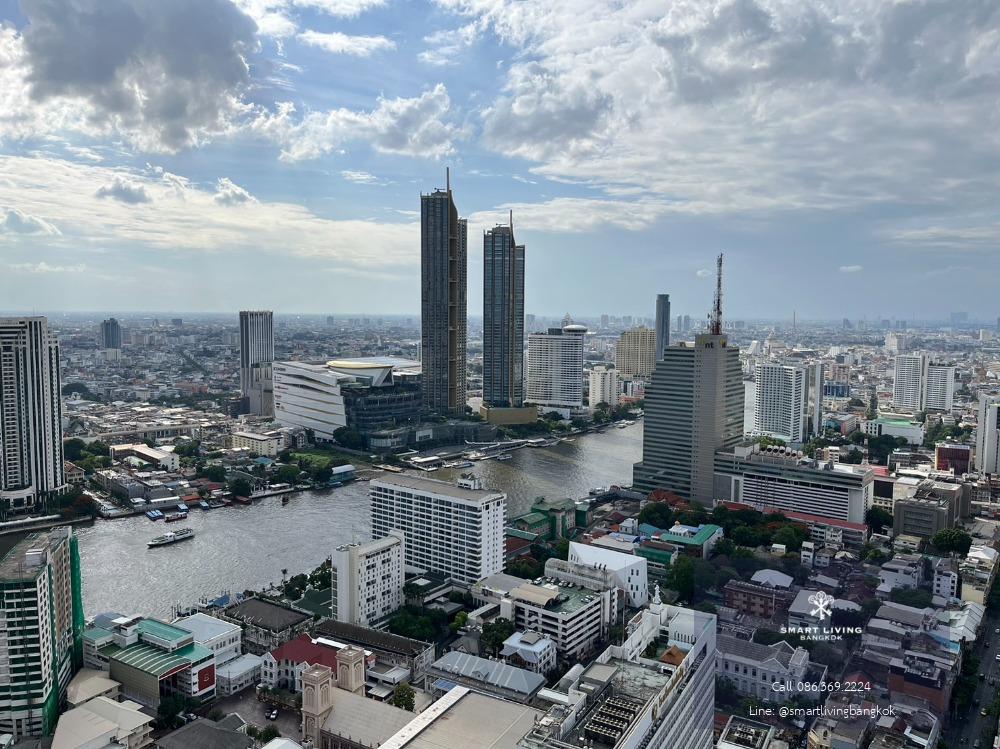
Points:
(822, 605)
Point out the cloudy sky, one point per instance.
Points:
(218, 154)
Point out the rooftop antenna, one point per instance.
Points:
(447, 178)
(511, 220)
(715, 326)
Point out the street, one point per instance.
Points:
(965, 731)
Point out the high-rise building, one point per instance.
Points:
(782, 397)
(694, 406)
(41, 642)
(988, 435)
(635, 353)
(605, 386)
(457, 530)
(921, 385)
(368, 580)
(111, 339)
(503, 318)
(662, 324)
(31, 448)
(257, 361)
(687, 323)
(443, 269)
(555, 370)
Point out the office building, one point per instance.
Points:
(256, 361)
(604, 386)
(629, 570)
(31, 448)
(782, 397)
(782, 479)
(635, 353)
(368, 580)
(443, 269)
(455, 530)
(555, 370)
(366, 394)
(111, 339)
(503, 318)
(41, 613)
(662, 324)
(987, 456)
(921, 385)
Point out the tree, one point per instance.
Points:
(789, 535)
(952, 539)
(268, 733)
(461, 619)
(658, 514)
(680, 577)
(286, 474)
(915, 597)
(167, 711)
(214, 473)
(404, 697)
(350, 438)
(561, 548)
(240, 487)
(878, 519)
(494, 634)
(74, 448)
(723, 548)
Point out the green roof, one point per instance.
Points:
(898, 422)
(96, 633)
(162, 631)
(152, 660)
(531, 518)
(518, 533)
(698, 539)
(542, 504)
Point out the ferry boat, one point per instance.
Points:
(154, 515)
(173, 517)
(504, 456)
(172, 537)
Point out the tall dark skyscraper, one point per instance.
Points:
(694, 406)
(257, 361)
(662, 324)
(443, 273)
(503, 318)
(111, 334)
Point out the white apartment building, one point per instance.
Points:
(455, 530)
(268, 445)
(947, 581)
(555, 370)
(31, 449)
(629, 570)
(635, 354)
(781, 404)
(604, 386)
(988, 435)
(368, 580)
(920, 385)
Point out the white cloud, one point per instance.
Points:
(161, 75)
(43, 267)
(447, 45)
(278, 18)
(229, 193)
(575, 215)
(124, 189)
(343, 44)
(15, 221)
(183, 218)
(703, 273)
(362, 178)
(751, 105)
(416, 126)
(851, 268)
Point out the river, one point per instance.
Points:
(241, 547)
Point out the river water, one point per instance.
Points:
(246, 547)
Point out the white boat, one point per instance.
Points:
(172, 537)
(504, 456)
(462, 464)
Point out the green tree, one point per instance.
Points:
(268, 733)
(350, 438)
(404, 697)
(74, 448)
(561, 548)
(952, 539)
(915, 597)
(214, 473)
(494, 634)
(286, 474)
(680, 577)
(461, 619)
(789, 535)
(878, 519)
(658, 514)
(240, 487)
(168, 710)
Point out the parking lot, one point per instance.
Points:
(253, 711)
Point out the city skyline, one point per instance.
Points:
(284, 170)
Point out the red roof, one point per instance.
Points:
(303, 650)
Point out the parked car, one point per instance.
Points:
(273, 715)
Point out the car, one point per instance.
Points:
(996, 631)
(273, 715)
(983, 712)
(982, 676)
(998, 656)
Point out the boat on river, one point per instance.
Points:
(172, 537)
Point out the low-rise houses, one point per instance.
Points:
(266, 625)
(978, 571)
(101, 722)
(484, 675)
(531, 651)
(754, 670)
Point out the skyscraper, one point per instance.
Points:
(920, 385)
(662, 324)
(555, 370)
(41, 606)
(31, 450)
(503, 318)
(111, 339)
(443, 269)
(257, 361)
(988, 435)
(605, 387)
(635, 353)
(694, 406)
(782, 397)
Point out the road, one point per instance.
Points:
(965, 731)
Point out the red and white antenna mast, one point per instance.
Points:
(715, 326)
